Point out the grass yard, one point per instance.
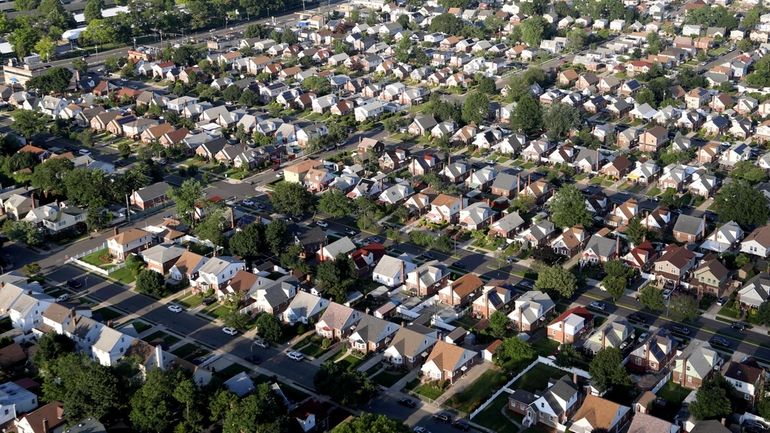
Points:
(108, 314)
(352, 361)
(475, 394)
(492, 418)
(167, 340)
(123, 275)
(545, 346)
(673, 393)
(191, 301)
(536, 379)
(388, 378)
(100, 258)
(140, 326)
(730, 309)
(431, 390)
(218, 311)
(5, 325)
(654, 191)
(231, 371)
(312, 346)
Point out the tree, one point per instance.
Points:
(568, 208)
(475, 108)
(93, 10)
(150, 282)
(576, 40)
(319, 85)
(269, 328)
(27, 123)
(607, 370)
(567, 356)
(335, 204)
(336, 277)
(23, 39)
(31, 270)
(371, 423)
(749, 172)
(654, 43)
(87, 389)
(80, 65)
(98, 32)
(347, 387)
(48, 176)
(712, 401)
(85, 186)
(291, 198)
(23, 231)
(560, 119)
(652, 298)
(487, 85)
(45, 47)
(513, 351)
(185, 197)
(615, 286)
(260, 412)
(556, 279)
(277, 236)
(533, 29)
(213, 226)
(50, 347)
(635, 231)
(527, 117)
(124, 148)
(231, 93)
(683, 307)
(248, 242)
(446, 23)
(498, 324)
(738, 201)
(222, 402)
(153, 405)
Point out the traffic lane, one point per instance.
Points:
(301, 372)
(421, 416)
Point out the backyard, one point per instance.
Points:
(101, 259)
(477, 392)
(492, 418)
(191, 301)
(537, 378)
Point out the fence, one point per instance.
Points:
(505, 388)
(91, 268)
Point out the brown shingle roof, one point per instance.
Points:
(466, 285)
(598, 412)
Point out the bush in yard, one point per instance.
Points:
(300, 329)
(347, 387)
(325, 343)
(134, 264)
(269, 328)
(150, 283)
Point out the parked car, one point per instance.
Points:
(229, 331)
(322, 224)
(721, 301)
(248, 202)
(680, 329)
(63, 298)
(666, 293)
(209, 300)
(175, 308)
(638, 317)
(738, 326)
(259, 342)
(596, 305)
(419, 429)
(408, 402)
(642, 336)
(720, 341)
(74, 284)
(443, 417)
(295, 356)
(279, 173)
(461, 424)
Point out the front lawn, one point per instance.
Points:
(312, 345)
(108, 314)
(100, 258)
(475, 394)
(123, 275)
(431, 390)
(537, 378)
(188, 350)
(218, 311)
(492, 418)
(730, 309)
(388, 378)
(140, 326)
(353, 360)
(167, 340)
(231, 370)
(191, 301)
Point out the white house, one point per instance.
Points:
(392, 271)
(217, 271)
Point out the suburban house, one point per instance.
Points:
(507, 226)
(673, 266)
(689, 229)
(150, 196)
(304, 308)
(755, 291)
(428, 278)
(757, 243)
(493, 298)
(448, 362)
(392, 271)
(711, 277)
(611, 334)
(337, 321)
(653, 354)
(747, 377)
(554, 407)
(410, 346)
(445, 209)
(341, 246)
(216, 272)
(599, 414)
(129, 241)
(724, 238)
(460, 291)
(695, 365)
(371, 334)
(571, 325)
(187, 266)
(161, 258)
(530, 310)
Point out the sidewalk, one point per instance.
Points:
(369, 363)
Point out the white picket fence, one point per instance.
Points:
(91, 268)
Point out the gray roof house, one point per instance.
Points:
(371, 334)
(337, 321)
(755, 291)
(340, 246)
(411, 345)
(303, 308)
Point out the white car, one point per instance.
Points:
(248, 202)
(666, 293)
(323, 224)
(84, 152)
(174, 308)
(296, 356)
(63, 298)
(229, 331)
(279, 173)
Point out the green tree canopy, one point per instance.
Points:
(513, 352)
(712, 401)
(48, 176)
(683, 307)
(336, 277)
(335, 204)
(249, 242)
(533, 29)
(555, 279)
(607, 369)
(345, 386)
(371, 423)
(560, 119)
(568, 208)
(499, 324)
(652, 298)
(150, 283)
(291, 198)
(186, 196)
(269, 328)
(527, 117)
(446, 23)
(738, 201)
(475, 108)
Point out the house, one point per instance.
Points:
(427, 278)
(422, 125)
(711, 277)
(24, 307)
(653, 354)
(15, 400)
(161, 258)
(337, 321)
(570, 326)
(673, 265)
(724, 238)
(689, 229)
(653, 139)
(150, 196)
(304, 308)
(537, 234)
(757, 242)
(645, 423)
(121, 244)
(599, 249)
(410, 346)
(557, 404)
(599, 414)
(216, 272)
(755, 291)
(530, 310)
(392, 271)
(460, 291)
(56, 217)
(570, 241)
(506, 185)
(447, 362)
(611, 334)
(341, 246)
(16, 206)
(493, 298)
(445, 209)
(45, 419)
(296, 173)
(747, 378)
(371, 334)
(476, 216)
(695, 365)
(507, 226)
(641, 256)
(623, 214)
(617, 168)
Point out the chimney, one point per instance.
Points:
(115, 230)
(159, 356)
(574, 377)
(617, 245)
(45, 425)
(486, 302)
(403, 270)
(597, 159)
(703, 230)
(518, 183)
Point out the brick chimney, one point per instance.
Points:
(33, 200)
(45, 425)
